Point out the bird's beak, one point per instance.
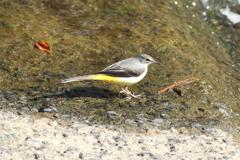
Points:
(155, 62)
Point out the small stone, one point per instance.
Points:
(140, 154)
(225, 157)
(36, 156)
(42, 23)
(35, 109)
(64, 135)
(151, 155)
(103, 153)
(12, 105)
(196, 125)
(25, 109)
(65, 116)
(56, 115)
(155, 28)
(163, 115)
(140, 140)
(4, 100)
(120, 148)
(80, 155)
(130, 122)
(158, 122)
(117, 138)
(47, 109)
(201, 109)
(112, 113)
(21, 102)
(172, 149)
(71, 150)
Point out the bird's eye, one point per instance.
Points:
(148, 60)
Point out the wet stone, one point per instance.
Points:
(34, 109)
(9, 97)
(25, 109)
(21, 102)
(223, 111)
(140, 116)
(196, 125)
(158, 122)
(4, 100)
(42, 23)
(163, 115)
(12, 105)
(201, 109)
(47, 109)
(143, 120)
(112, 113)
(130, 122)
(155, 28)
(167, 103)
(56, 115)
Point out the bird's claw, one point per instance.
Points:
(130, 95)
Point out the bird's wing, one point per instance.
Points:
(116, 71)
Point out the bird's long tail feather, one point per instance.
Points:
(80, 78)
(100, 77)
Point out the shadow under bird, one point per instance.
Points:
(123, 73)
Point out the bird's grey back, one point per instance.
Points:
(130, 67)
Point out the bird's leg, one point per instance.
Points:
(129, 93)
(125, 92)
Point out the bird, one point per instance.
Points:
(123, 73)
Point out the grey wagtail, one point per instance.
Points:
(123, 73)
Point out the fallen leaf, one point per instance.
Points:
(44, 46)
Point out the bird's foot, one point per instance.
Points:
(129, 94)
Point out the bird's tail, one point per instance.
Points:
(80, 78)
(100, 77)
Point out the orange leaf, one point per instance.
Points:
(43, 46)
